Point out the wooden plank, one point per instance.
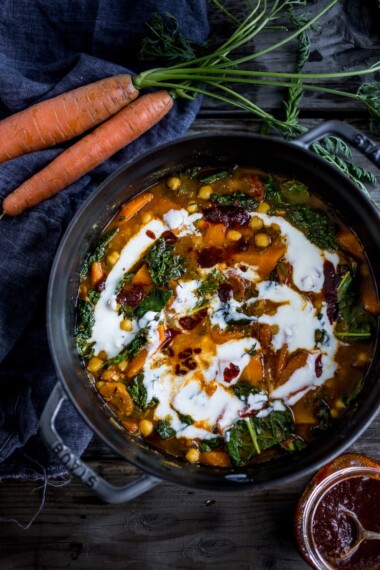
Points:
(169, 527)
(347, 37)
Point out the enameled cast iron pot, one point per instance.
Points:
(293, 159)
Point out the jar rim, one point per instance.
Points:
(314, 500)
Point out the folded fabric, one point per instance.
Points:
(47, 48)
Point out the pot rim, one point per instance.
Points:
(237, 478)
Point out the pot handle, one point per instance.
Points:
(350, 134)
(107, 492)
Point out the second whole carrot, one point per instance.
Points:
(93, 149)
(65, 116)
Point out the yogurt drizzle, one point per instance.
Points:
(204, 393)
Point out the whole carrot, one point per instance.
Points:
(65, 116)
(73, 163)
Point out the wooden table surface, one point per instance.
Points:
(173, 527)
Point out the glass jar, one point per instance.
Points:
(342, 493)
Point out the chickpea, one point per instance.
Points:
(122, 366)
(262, 240)
(205, 192)
(193, 455)
(192, 207)
(126, 325)
(233, 235)
(173, 183)
(145, 427)
(256, 223)
(263, 208)
(113, 257)
(94, 364)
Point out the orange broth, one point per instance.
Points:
(243, 326)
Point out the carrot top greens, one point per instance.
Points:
(192, 71)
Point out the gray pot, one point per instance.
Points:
(293, 159)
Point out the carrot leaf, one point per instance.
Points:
(166, 44)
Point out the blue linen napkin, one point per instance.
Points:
(47, 48)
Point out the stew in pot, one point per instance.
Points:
(226, 316)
